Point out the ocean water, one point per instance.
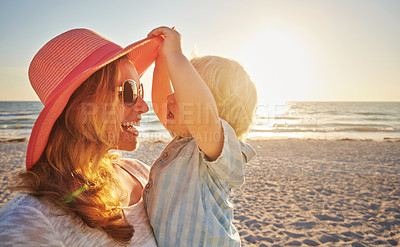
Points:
(319, 120)
(17, 118)
(328, 120)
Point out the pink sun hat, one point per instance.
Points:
(64, 63)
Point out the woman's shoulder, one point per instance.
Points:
(26, 206)
(24, 217)
(134, 164)
(23, 201)
(136, 168)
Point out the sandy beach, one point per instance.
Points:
(298, 192)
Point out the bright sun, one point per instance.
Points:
(280, 66)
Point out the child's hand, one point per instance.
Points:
(172, 42)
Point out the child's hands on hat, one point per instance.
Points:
(172, 40)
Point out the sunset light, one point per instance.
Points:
(314, 162)
(280, 65)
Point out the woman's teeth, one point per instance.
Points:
(131, 124)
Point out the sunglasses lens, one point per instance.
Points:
(130, 93)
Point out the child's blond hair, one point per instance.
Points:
(232, 88)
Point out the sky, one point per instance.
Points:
(311, 50)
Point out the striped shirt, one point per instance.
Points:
(187, 196)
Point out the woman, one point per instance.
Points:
(79, 194)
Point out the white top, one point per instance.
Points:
(28, 221)
(187, 197)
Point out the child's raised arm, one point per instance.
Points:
(192, 92)
(160, 89)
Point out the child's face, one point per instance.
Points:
(175, 118)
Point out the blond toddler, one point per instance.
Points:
(210, 111)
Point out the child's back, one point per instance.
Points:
(187, 196)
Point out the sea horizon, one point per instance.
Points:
(359, 120)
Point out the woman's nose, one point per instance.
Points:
(141, 106)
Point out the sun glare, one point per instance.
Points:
(279, 65)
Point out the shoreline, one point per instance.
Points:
(298, 192)
(18, 139)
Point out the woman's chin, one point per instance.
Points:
(128, 142)
(127, 147)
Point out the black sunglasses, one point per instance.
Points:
(130, 92)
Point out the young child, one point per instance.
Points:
(190, 183)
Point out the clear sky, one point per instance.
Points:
(329, 50)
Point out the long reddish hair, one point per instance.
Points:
(76, 158)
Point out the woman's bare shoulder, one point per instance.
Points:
(137, 169)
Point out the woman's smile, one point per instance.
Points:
(129, 127)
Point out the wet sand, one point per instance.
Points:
(298, 192)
